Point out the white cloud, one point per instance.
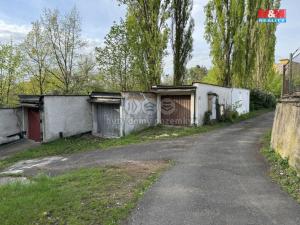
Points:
(17, 33)
(91, 44)
(14, 32)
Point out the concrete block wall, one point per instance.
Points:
(70, 115)
(229, 97)
(202, 99)
(138, 111)
(286, 131)
(10, 123)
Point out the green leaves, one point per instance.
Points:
(146, 23)
(241, 48)
(115, 59)
(181, 37)
(10, 71)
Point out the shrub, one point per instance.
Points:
(229, 115)
(261, 99)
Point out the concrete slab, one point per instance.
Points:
(9, 180)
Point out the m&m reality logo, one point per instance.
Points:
(272, 16)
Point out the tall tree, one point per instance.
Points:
(63, 33)
(265, 52)
(182, 40)
(115, 59)
(10, 64)
(37, 51)
(223, 24)
(148, 36)
(250, 56)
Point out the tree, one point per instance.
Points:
(212, 76)
(223, 24)
(182, 40)
(246, 46)
(37, 50)
(242, 49)
(83, 77)
(10, 63)
(265, 52)
(63, 34)
(195, 74)
(147, 28)
(115, 59)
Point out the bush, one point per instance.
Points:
(261, 100)
(229, 115)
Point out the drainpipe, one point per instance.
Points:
(195, 96)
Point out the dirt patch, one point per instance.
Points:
(19, 167)
(143, 167)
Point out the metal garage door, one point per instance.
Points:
(176, 110)
(34, 128)
(108, 120)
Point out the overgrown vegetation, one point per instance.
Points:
(86, 196)
(87, 143)
(53, 58)
(242, 50)
(280, 171)
(261, 99)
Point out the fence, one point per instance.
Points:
(291, 75)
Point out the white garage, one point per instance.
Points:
(191, 102)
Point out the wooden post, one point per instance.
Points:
(283, 81)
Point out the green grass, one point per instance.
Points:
(280, 171)
(86, 196)
(81, 144)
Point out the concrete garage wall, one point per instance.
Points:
(68, 114)
(138, 111)
(202, 98)
(286, 131)
(241, 99)
(229, 97)
(10, 123)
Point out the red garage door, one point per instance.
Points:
(176, 110)
(34, 130)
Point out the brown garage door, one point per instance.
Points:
(176, 110)
(34, 129)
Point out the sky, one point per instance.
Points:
(97, 16)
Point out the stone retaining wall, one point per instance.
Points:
(286, 131)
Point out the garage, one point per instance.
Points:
(108, 120)
(175, 105)
(32, 116)
(176, 110)
(106, 113)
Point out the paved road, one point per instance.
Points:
(9, 149)
(219, 178)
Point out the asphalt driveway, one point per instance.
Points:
(219, 178)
